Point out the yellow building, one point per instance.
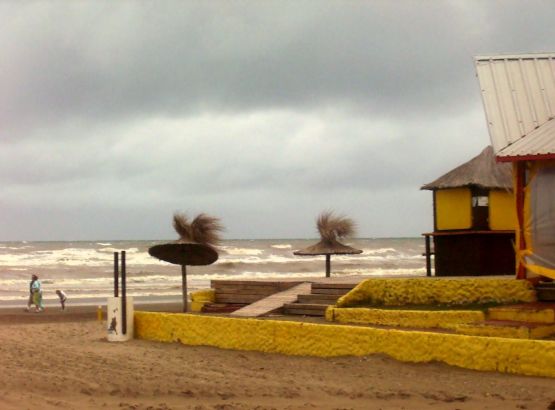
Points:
(474, 219)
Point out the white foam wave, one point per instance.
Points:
(242, 251)
(282, 246)
(73, 257)
(379, 251)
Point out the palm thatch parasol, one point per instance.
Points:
(330, 228)
(194, 247)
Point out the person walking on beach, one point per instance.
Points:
(30, 302)
(36, 291)
(63, 297)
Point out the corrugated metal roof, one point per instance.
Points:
(518, 92)
(539, 142)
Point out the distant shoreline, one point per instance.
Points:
(92, 302)
(106, 241)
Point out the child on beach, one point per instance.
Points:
(63, 297)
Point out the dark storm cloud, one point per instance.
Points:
(101, 61)
(260, 111)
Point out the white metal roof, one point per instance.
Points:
(518, 92)
(538, 143)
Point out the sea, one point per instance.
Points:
(84, 270)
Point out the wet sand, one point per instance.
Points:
(61, 360)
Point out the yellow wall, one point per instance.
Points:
(446, 319)
(529, 357)
(433, 291)
(453, 208)
(502, 213)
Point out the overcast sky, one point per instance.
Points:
(114, 115)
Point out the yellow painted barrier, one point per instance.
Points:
(522, 315)
(204, 295)
(518, 332)
(526, 357)
(446, 319)
(434, 291)
(201, 297)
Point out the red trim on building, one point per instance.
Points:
(524, 157)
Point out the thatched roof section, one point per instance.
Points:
(192, 254)
(481, 171)
(326, 247)
(331, 227)
(196, 242)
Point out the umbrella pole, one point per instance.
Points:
(184, 286)
(328, 266)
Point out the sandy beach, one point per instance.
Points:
(60, 359)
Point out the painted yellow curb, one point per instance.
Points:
(404, 318)
(200, 298)
(527, 357)
(522, 315)
(204, 295)
(517, 332)
(433, 291)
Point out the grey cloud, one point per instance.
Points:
(114, 115)
(386, 58)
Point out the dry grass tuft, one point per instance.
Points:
(203, 229)
(182, 226)
(206, 229)
(332, 227)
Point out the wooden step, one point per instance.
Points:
(332, 288)
(220, 308)
(545, 292)
(330, 291)
(247, 291)
(319, 299)
(273, 302)
(324, 285)
(508, 328)
(305, 309)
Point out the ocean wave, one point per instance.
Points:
(242, 251)
(379, 251)
(86, 268)
(112, 250)
(282, 246)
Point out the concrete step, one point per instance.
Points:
(526, 312)
(305, 309)
(508, 328)
(319, 299)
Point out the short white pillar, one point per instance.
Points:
(114, 322)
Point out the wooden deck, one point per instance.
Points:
(273, 302)
(254, 298)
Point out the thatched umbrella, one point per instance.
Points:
(194, 247)
(330, 228)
